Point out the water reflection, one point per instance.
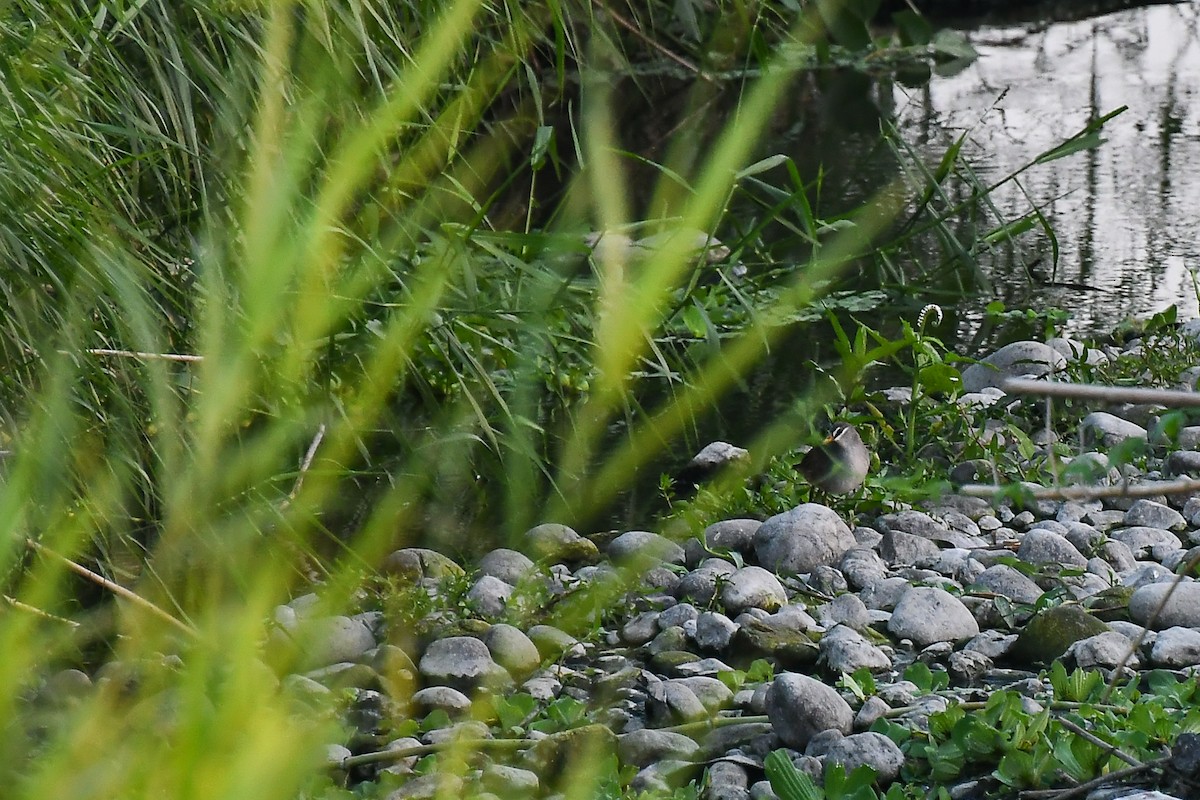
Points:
(1125, 214)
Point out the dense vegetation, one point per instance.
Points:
(289, 285)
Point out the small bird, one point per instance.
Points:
(839, 464)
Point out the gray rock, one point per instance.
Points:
(1109, 429)
(873, 708)
(1176, 647)
(872, 749)
(927, 615)
(1183, 462)
(428, 787)
(845, 609)
(1181, 609)
(1041, 546)
(844, 649)
(862, 567)
(647, 746)
(800, 539)
(1106, 650)
(885, 594)
(1147, 513)
(968, 666)
(644, 548)
(714, 631)
(732, 534)
(415, 564)
(1143, 540)
(800, 707)
(1019, 359)
(509, 781)
(331, 640)
(898, 548)
(1011, 583)
(640, 628)
(672, 703)
(918, 523)
(552, 642)
(464, 663)
(727, 781)
(554, 542)
(513, 650)
(441, 698)
(700, 585)
(711, 692)
(489, 596)
(509, 566)
(680, 614)
(752, 587)
(711, 459)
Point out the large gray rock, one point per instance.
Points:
(800, 707)
(644, 548)
(844, 649)
(1004, 580)
(1019, 359)
(1109, 429)
(875, 750)
(926, 615)
(801, 539)
(1106, 650)
(647, 746)
(513, 650)
(1143, 540)
(1041, 546)
(714, 631)
(752, 587)
(918, 523)
(464, 663)
(1150, 514)
(509, 566)
(731, 534)
(1176, 647)
(331, 640)
(489, 596)
(554, 542)
(1181, 609)
(417, 563)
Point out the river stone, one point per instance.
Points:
(1182, 609)
(711, 459)
(1051, 631)
(489, 596)
(1109, 429)
(918, 523)
(726, 781)
(509, 566)
(464, 663)
(732, 534)
(331, 640)
(771, 638)
(644, 548)
(1041, 546)
(672, 703)
(800, 707)
(417, 563)
(752, 587)
(513, 650)
(900, 548)
(1106, 650)
(645, 747)
(714, 694)
(926, 615)
(1143, 540)
(1009, 582)
(862, 567)
(700, 585)
(875, 750)
(714, 631)
(844, 649)
(1019, 359)
(845, 609)
(1154, 515)
(553, 542)
(1176, 647)
(805, 537)
(441, 698)
(430, 786)
(509, 781)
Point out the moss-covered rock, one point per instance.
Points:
(1050, 632)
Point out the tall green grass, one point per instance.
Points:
(262, 325)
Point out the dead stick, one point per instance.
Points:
(1184, 486)
(1108, 394)
(115, 588)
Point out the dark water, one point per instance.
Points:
(1126, 215)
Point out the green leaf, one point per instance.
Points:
(787, 781)
(768, 163)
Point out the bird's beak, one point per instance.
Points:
(828, 439)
